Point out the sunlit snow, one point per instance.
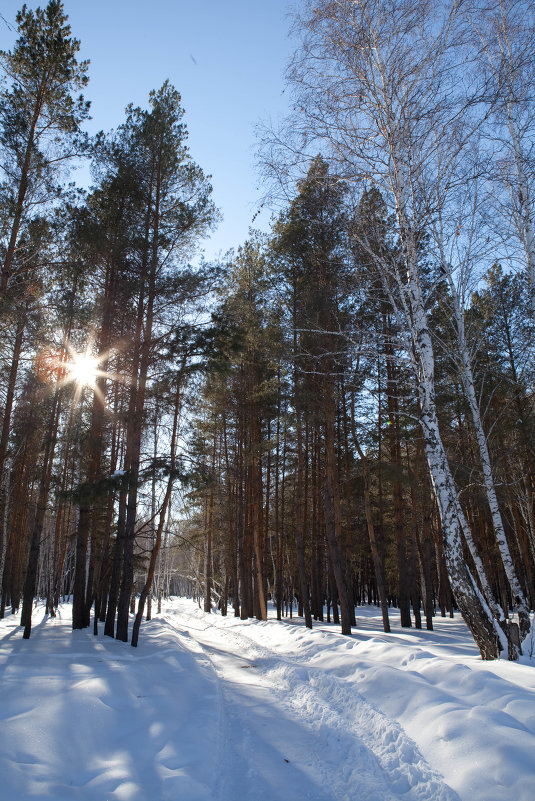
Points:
(217, 709)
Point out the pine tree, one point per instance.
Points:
(40, 117)
(312, 237)
(172, 210)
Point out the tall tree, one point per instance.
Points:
(174, 210)
(313, 235)
(371, 80)
(40, 116)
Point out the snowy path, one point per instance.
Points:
(293, 731)
(218, 709)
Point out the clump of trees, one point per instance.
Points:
(106, 274)
(318, 475)
(422, 111)
(342, 412)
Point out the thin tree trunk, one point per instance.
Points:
(30, 583)
(209, 534)
(6, 425)
(378, 566)
(163, 513)
(300, 523)
(329, 506)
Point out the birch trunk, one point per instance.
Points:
(497, 522)
(470, 601)
(474, 608)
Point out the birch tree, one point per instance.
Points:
(376, 81)
(504, 40)
(458, 256)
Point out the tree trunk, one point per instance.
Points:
(377, 563)
(330, 523)
(30, 583)
(488, 478)
(163, 513)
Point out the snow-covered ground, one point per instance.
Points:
(218, 709)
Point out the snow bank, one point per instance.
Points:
(228, 710)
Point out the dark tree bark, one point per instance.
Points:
(30, 583)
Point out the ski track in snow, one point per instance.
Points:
(218, 709)
(319, 722)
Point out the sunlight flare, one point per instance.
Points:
(83, 369)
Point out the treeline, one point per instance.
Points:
(313, 478)
(99, 311)
(406, 358)
(340, 413)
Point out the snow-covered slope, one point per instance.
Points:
(228, 710)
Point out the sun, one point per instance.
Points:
(83, 369)
(65, 365)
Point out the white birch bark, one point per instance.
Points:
(484, 623)
(485, 628)
(480, 615)
(488, 478)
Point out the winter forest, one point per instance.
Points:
(334, 419)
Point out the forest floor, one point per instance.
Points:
(217, 709)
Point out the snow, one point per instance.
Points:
(218, 709)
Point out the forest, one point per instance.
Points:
(340, 411)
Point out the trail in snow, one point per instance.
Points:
(218, 709)
(283, 709)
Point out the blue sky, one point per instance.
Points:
(226, 58)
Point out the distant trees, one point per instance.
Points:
(378, 84)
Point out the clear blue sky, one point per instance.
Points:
(226, 58)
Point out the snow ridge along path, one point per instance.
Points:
(333, 743)
(218, 709)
